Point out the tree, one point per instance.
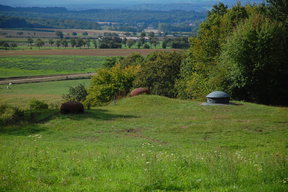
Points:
(159, 72)
(203, 56)
(51, 42)
(88, 41)
(64, 43)
(130, 43)
(134, 59)
(164, 44)
(279, 9)
(30, 41)
(111, 61)
(13, 45)
(5, 45)
(79, 42)
(254, 62)
(218, 9)
(39, 43)
(85, 33)
(58, 43)
(60, 34)
(73, 42)
(95, 43)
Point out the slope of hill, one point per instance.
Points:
(149, 143)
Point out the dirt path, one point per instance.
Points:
(34, 79)
(83, 52)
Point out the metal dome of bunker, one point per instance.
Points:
(217, 98)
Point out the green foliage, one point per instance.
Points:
(37, 105)
(110, 42)
(278, 10)
(146, 46)
(39, 43)
(255, 59)
(77, 93)
(131, 60)
(199, 69)
(108, 84)
(10, 115)
(159, 72)
(111, 61)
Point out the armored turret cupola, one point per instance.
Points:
(218, 97)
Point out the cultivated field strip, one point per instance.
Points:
(34, 79)
(83, 52)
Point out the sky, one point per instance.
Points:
(51, 3)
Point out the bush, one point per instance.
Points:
(134, 59)
(159, 72)
(36, 105)
(77, 93)
(111, 61)
(10, 115)
(108, 84)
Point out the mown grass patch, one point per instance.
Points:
(150, 143)
(11, 66)
(51, 92)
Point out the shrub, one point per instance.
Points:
(111, 61)
(107, 84)
(131, 60)
(77, 93)
(159, 72)
(10, 115)
(36, 105)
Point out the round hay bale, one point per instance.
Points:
(139, 91)
(72, 107)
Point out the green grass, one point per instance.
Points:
(149, 143)
(51, 92)
(48, 65)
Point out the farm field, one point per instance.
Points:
(146, 143)
(48, 65)
(83, 52)
(51, 92)
(49, 32)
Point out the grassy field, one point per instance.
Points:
(51, 92)
(147, 143)
(11, 66)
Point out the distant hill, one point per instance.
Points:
(34, 9)
(131, 20)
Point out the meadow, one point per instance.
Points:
(145, 143)
(51, 92)
(30, 65)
